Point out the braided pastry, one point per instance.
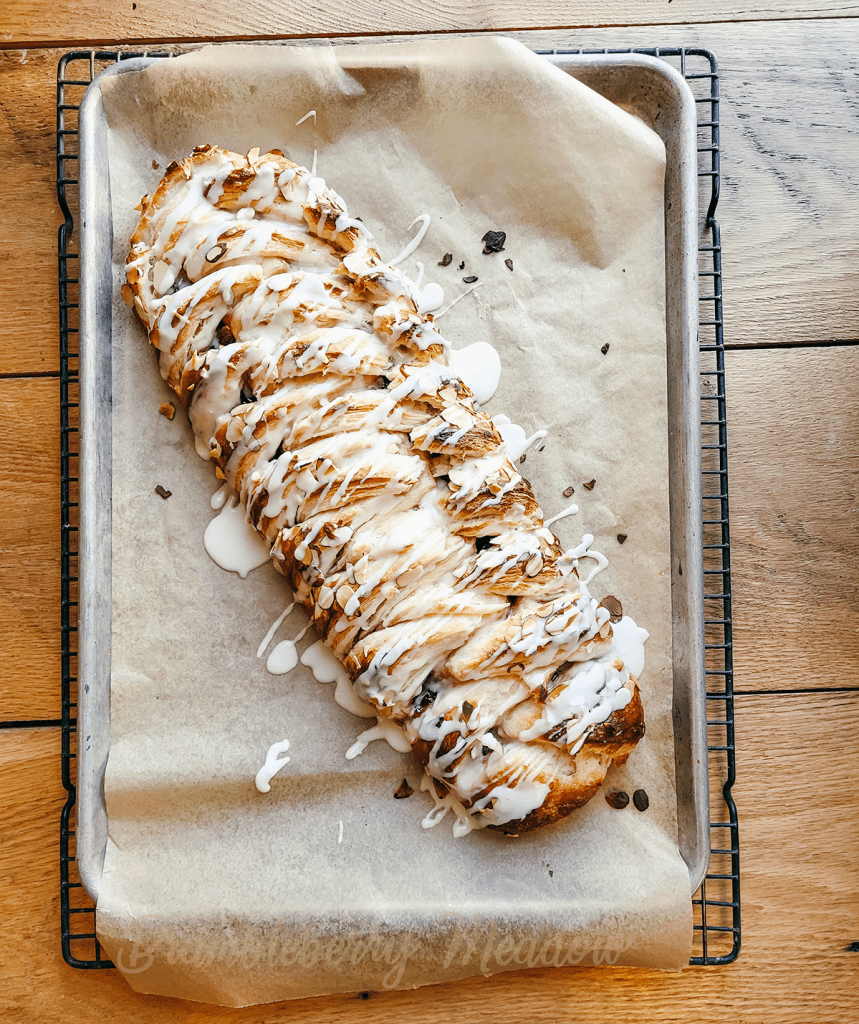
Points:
(324, 397)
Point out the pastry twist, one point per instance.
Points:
(325, 399)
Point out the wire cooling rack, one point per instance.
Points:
(717, 902)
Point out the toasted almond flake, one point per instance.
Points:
(325, 597)
(167, 409)
(410, 576)
(344, 595)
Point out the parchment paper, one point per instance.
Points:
(214, 892)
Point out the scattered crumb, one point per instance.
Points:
(590, 484)
(493, 241)
(521, 459)
(641, 800)
(461, 266)
(508, 264)
(162, 492)
(168, 410)
(155, 165)
(614, 607)
(569, 492)
(604, 349)
(404, 790)
(621, 537)
(446, 259)
(617, 799)
(470, 280)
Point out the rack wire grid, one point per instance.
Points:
(717, 903)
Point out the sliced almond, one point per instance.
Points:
(162, 277)
(410, 576)
(457, 415)
(344, 595)
(215, 253)
(535, 564)
(325, 597)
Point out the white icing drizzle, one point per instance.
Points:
(274, 761)
(301, 120)
(326, 668)
(424, 220)
(514, 436)
(219, 498)
(467, 291)
(385, 729)
(570, 510)
(479, 366)
(282, 659)
(232, 543)
(274, 628)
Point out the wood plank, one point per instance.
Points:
(29, 549)
(790, 234)
(93, 21)
(29, 213)
(798, 806)
(793, 444)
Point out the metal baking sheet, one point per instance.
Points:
(644, 86)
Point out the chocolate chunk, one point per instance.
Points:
(469, 280)
(521, 459)
(155, 165)
(461, 266)
(615, 610)
(508, 264)
(569, 491)
(493, 241)
(167, 409)
(171, 167)
(467, 708)
(486, 751)
(403, 791)
(621, 537)
(641, 800)
(591, 484)
(604, 349)
(446, 259)
(617, 799)
(162, 492)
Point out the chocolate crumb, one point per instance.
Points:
(621, 537)
(544, 692)
(521, 459)
(364, 995)
(617, 799)
(569, 491)
(171, 167)
(162, 492)
(509, 264)
(493, 241)
(614, 607)
(542, 448)
(641, 800)
(461, 266)
(403, 791)
(469, 280)
(591, 484)
(446, 259)
(155, 165)
(486, 751)
(604, 349)
(468, 708)
(168, 410)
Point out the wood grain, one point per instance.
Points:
(798, 806)
(29, 549)
(793, 468)
(29, 213)
(93, 21)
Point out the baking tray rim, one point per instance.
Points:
(94, 639)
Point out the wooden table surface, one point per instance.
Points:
(790, 232)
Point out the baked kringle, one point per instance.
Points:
(324, 397)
